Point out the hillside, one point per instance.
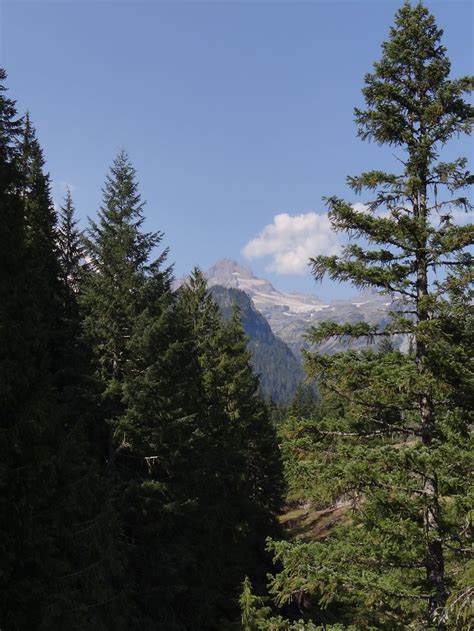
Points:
(279, 370)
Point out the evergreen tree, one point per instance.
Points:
(96, 546)
(15, 359)
(243, 479)
(52, 567)
(245, 406)
(253, 610)
(34, 595)
(41, 241)
(304, 402)
(118, 251)
(70, 246)
(150, 383)
(166, 469)
(11, 250)
(400, 451)
(72, 351)
(221, 514)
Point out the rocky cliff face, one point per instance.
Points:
(290, 315)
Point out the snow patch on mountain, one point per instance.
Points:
(290, 315)
(265, 297)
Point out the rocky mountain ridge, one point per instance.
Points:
(290, 315)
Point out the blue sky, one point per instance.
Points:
(232, 112)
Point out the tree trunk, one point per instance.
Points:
(434, 557)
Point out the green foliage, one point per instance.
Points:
(252, 608)
(255, 616)
(139, 468)
(186, 440)
(70, 247)
(392, 441)
(129, 323)
(57, 543)
(460, 605)
(244, 485)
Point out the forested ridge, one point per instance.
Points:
(145, 482)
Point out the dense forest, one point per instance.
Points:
(145, 481)
(140, 471)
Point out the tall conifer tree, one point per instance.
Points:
(15, 367)
(400, 451)
(150, 390)
(51, 567)
(34, 593)
(96, 539)
(119, 253)
(243, 479)
(70, 246)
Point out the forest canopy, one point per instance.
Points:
(145, 481)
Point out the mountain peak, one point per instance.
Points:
(226, 270)
(291, 314)
(229, 273)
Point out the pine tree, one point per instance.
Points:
(150, 391)
(400, 450)
(12, 242)
(41, 239)
(219, 513)
(303, 403)
(33, 420)
(70, 246)
(246, 408)
(163, 507)
(253, 610)
(119, 253)
(96, 539)
(243, 486)
(231, 386)
(15, 356)
(72, 352)
(52, 559)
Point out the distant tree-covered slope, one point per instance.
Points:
(279, 370)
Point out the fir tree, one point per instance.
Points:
(33, 594)
(243, 485)
(96, 536)
(244, 404)
(304, 402)
(52, 559)
(72, 352)
(220, 539)
(15, 356)
(119, 253)
(166, 468)
(40, 221)
(400, 450)
(70, 246)
(12, 245)
(253, 610)
(150, 391)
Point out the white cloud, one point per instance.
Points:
(291, 240)
(361, 208)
